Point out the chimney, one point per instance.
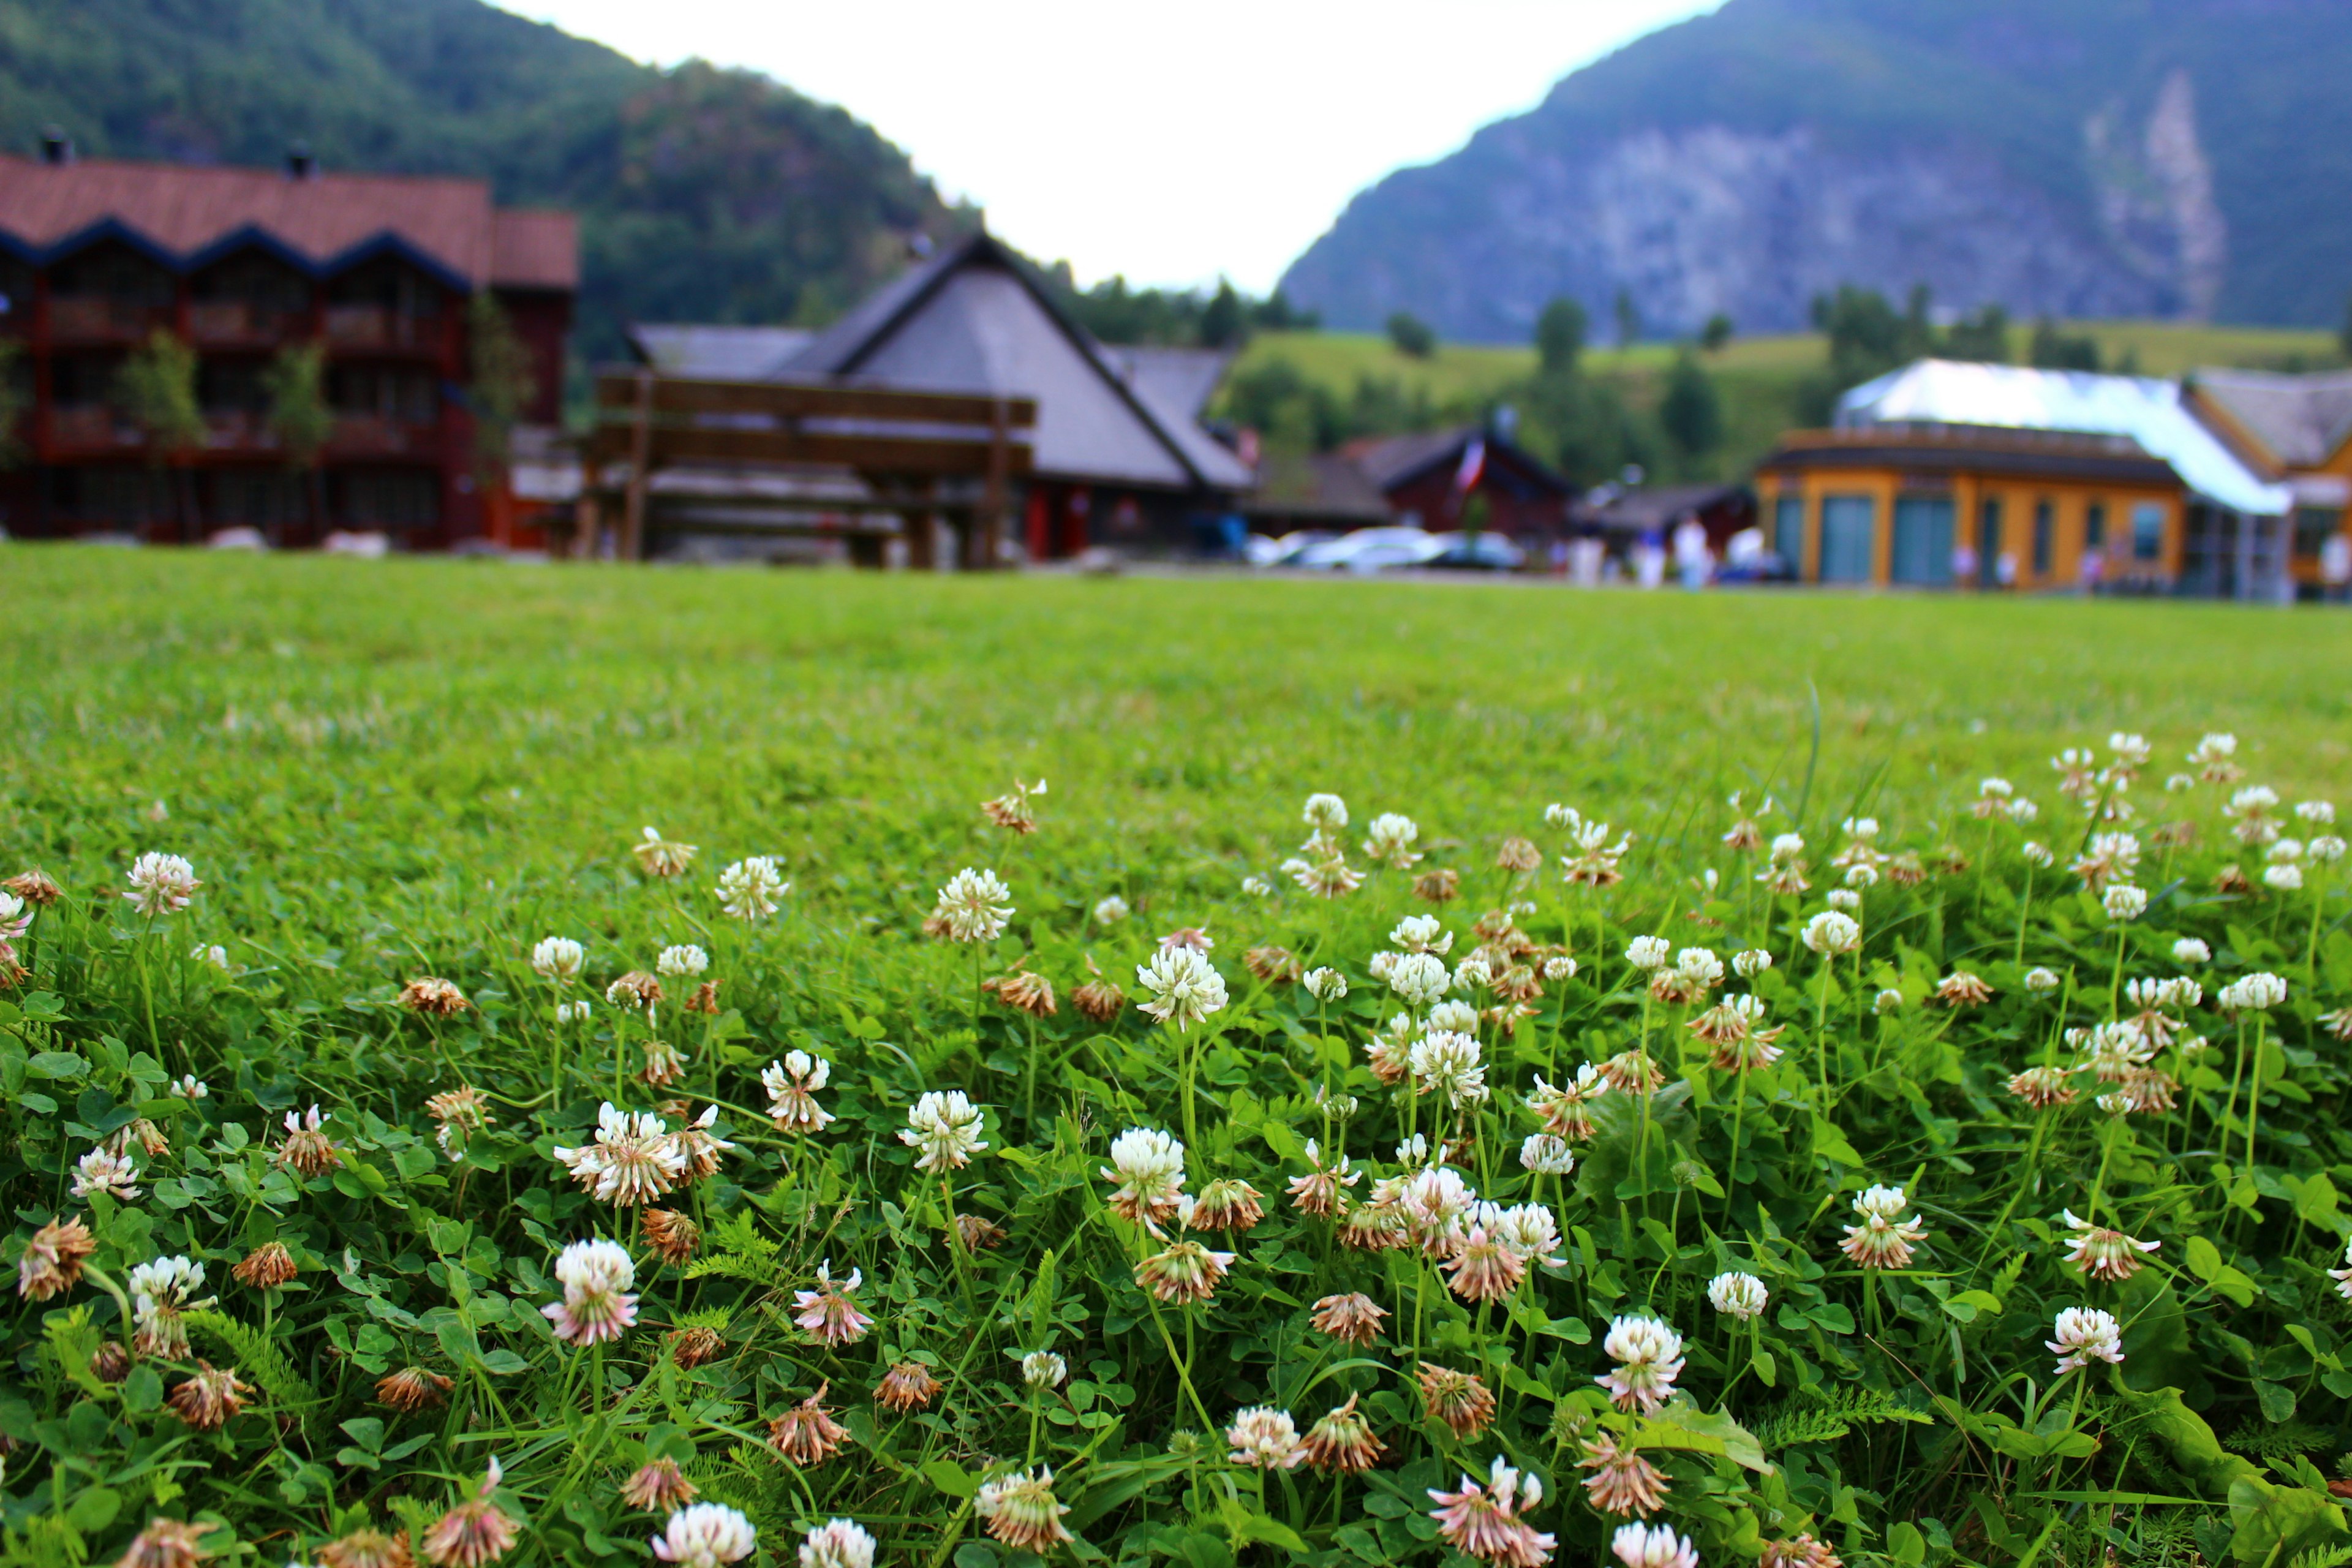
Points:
(56, 147)
(301, 162)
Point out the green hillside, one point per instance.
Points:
(705, 194)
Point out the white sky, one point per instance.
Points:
(1171, 143)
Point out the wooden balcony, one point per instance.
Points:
(91, 429)
(238, 432)
(97, 318)
(233, 324)
(373, 327)
(364, 436)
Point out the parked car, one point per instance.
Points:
(1475, 553)
(1287, 549)
(1370, 549)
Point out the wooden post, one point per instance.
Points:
(985, 551)
(641, 444)
(923, 534)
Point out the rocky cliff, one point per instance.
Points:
(2078, 158)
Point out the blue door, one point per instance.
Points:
(1923, 541)
(1848, 538)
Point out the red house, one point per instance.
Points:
(1438, 479)
(98, 257)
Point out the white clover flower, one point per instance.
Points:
(1738, 1295)
(596, 1265)
(2285, 851)
(751, 888)
(2179, 783)
(2084, 1334)
(160, 884)
(1832, 933)
(2037, 854)
(1043, 1371)
(1459, 1016)
(682, 960)
(945, 1126)
(574, 1012)
(1184, 988)
(1845, 901)
(1325, 984)
(2283, 879)
(1472, 974)
(705, 1535)
(1649, 1357)
(1421, 933)
(1147, 1164)
(2022, 811)
(1751, 962)
(792, 1085)
(1112, 910)
(1528, 1230)
(837, 1543)
(1419, 977)
(2042, 980)
(1994, 789)
(2319, 812)
(1264, 1439)
(103, 1171)
(2255, 992)
(1862, 875)
(2191, 950)
(1863, 828)
(1546, 1155)
(188, 1086)
(559, 958)
(1648, 953)
(1699, 964)
(2327, 849)
(2131, 749)
(1257, 888)
(2122, 902)
(1559, 966)
(1390, 839)
(1443, 1062)
(973, 906)
(1326, 813)
(1887, 1001)
(1653, 1546)
(214, 955)
(1788, 847)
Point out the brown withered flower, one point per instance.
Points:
(308, 1150)
(807, 1434)
(1353, 1318)
(1804, 1551)
(265, 1268)
(433, 998)
(1023, 992)
(635, 989)
(978, 1234)
(412, 1389)
(34, 888)
(1227, 1203)
(1459, 1399)
(672, 1234)
(693, 1347)
(109, 1362)
(1962, 989)
(206, 1401)
(166, 1543)
(52, 1260)
(907, 1386)
(1341, 1443)
(665, 1065)
(2230, 880)
(1275, 965)
(474, 1533)
(367, 1548)
(705, 999)
(147, 1136)
(1439, 887)
(1517, 853)
(1099, 1000)
(658, 1487)
(460, 1112)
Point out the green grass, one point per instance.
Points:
(420, 767)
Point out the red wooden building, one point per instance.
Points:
(1438, 480)
(96, 257)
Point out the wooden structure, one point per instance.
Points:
(863, 462)
(2296, 431)
(1429, 480)
(241, 265)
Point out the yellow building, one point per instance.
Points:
(2294, 430)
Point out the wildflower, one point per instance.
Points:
(160, 884)
(1962, 989)
(1622, 1481)
(1803, 1551)
(1439, 887)
(1517, 853)
(695, 1346)
(557, 958)
(1263, 1438)
(1737, 1295)
(829, 1313)
(1886, 1001)
(2122, 902)
(1024, 992)
(1227, 1203)
(206, 1401)
(265, 1267)
(1149, 1166)
(412, 1389)
(1275, 965)
(1845, 900)
(946, 1127)
(1327, 984)
(1388, 841)
(1354, 1319)
(1325, 814)
(1011, 810)
(2084, 1334)
(1885, 1239)
(1649, 1358)
(1459, 1399)
(103, 1171)
(632, 1160)
(839, 1543)
(660, 856)
(307, 1150)
(2107, 858)
(166, 1543)
(907, 1386)
(1329, 876)
(214, 955)
(1186, 1271)
(1318, 1192)
(635, 989)
(1546, 1154)
(34, 888)
(1374, 1227)
(807, 1434)
(2042, 1088)
(1099, 1000)
(665, 1065)
(475, 1532)
(51, 1263)
(2343, 1277)
(978, 1235)
(1447, 1063)
(2253, 807)
(366, 1549)
(1481, 1269)
(109, 1364)
(1043, 1371)
(792, 1085)
(1832, 933)
(2283, 878)
(160, 1290)
(430, 996)
(658, 1486)
(188, 1086)
(1019, 1510)
(1596, 862)
(1183, 988)
(2141, 1091)
(2338, 1023)
(458, 1113)
(1647, 952)
(1653, 1546)
(1482, 1522)
(2256, 992)
(1567, 1110)
(2040, 981)
(1435, 1200)
(973, 906)
(697, 1147)
(2108, 1256)
(2328, 848)
(2037, 854)
(704, 1535)
(1109, 911)
(597, 1276)
(683, 960)
(1341, 1443)
(572, 1013)
(1419, 978)
(1633, 1072)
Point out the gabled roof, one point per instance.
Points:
(718, 354)
(1322, 486)
(1179, 379)
(2152, 413)
(2300, 421)
(185, 215)
(974, 319)
(1399, 460)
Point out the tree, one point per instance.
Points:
(155, 389)
(1225, 320)
(1413, 338)
(503, 386)
(295, 381)
(2055, 350)
(1629, 320)
(1560, 336)
(1716, 334)
(1982, 336)
(1867, 338)
(1691, 412)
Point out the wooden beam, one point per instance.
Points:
(803, 400)
(641, 432)
(655, 447)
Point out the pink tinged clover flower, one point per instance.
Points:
(597, 1276)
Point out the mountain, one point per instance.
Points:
(2182, 159)
(704, 194)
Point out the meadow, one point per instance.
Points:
(1242, 1070)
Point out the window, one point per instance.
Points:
(2314, 527)
(1849, 539)
(2045, 536)
(2147, 531)
(2094, 526)
(1923, 541)
(1789, 528)
(391, 498)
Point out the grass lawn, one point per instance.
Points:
(389, 771)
